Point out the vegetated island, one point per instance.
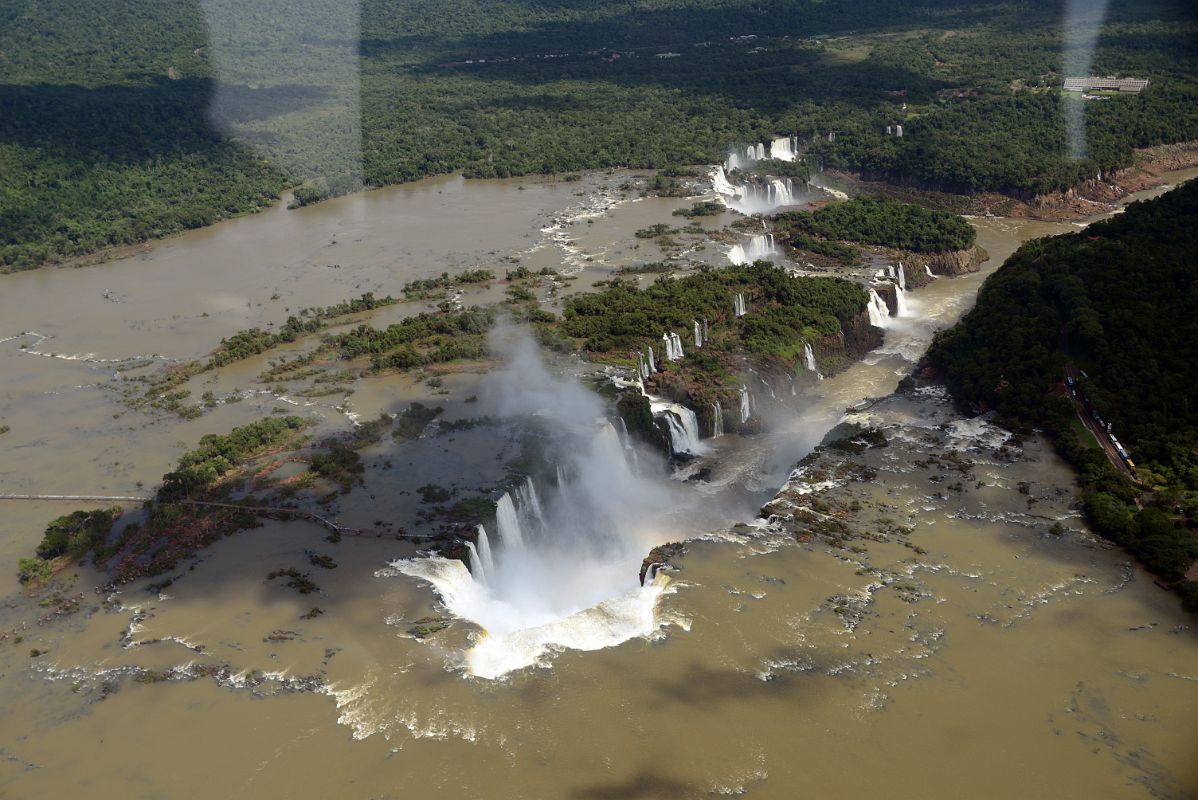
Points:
(931, 242)
(1101, 324)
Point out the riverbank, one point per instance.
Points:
(1087, 200)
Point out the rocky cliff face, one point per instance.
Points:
(957, 262)
(856, 338)
(947, 264)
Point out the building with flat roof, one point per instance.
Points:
(1109, 84)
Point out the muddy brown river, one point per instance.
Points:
(954, 645)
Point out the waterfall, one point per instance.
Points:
(738, 306)
(629, 447)
(781, 192)
(698, 335)
(902, 277)
(641, 368)
(809, 360)
(650, 571)
(879, 312)
(752, 198)
(667, 345)
(477, 571)
(652, 364)
(746, 410)
(563, 574)
(484, 550)
(677, 345)
(722, 186)
(900, 302)
(759, 247)
(890, 272)
(783, 149)
(682, 424)
(508, 523)
(526, 493)
(717, 420)
(928, 269)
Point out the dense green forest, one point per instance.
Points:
(787, 311)
(122, 121)
(881, 221)
(1117, 300)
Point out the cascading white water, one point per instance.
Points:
(879, 312)
(652, 363)
(676, 344)
(642, 368)
(507, 523)
(738, 305)
(698, 335)
(527, 493)
(809, 360)
(902, 277)
(746, 409)
(753, 197)
(783, 149)
(900, 302)
(928, 269)
(781, 195)
(682, 424)
(484, 550)
(477, 571)
(629, 447)
(760, 247)
(723, 187)
(717, 420)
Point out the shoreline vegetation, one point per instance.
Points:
(1114, 305)
(106, 152)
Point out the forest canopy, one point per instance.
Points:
(1117, 301)
(125, 121)
(880, 221)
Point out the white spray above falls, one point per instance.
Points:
(561, 568)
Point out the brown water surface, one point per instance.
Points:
(972, 654)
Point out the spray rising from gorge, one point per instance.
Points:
(560, 567)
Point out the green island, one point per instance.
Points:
(134, 121)
(1115, 306)
(788, 313)
(881, 221)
